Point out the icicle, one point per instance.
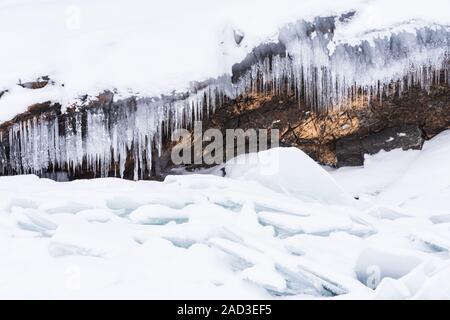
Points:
(102, 140)
(333, 79)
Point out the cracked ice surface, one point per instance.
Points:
(279, 228)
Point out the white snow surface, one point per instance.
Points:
(149, 48)
(258, 232)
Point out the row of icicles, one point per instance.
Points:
(102, 140)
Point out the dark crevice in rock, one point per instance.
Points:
(350, 150)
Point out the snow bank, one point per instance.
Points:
(289, 171)
(425, 185)
(413, 180)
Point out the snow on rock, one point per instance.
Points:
(412, 180)
(133, 46)
(246, 235)
(433, 189)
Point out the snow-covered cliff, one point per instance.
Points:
(327, 55)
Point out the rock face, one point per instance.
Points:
(342, 137)
(350, 150)
(336, 138)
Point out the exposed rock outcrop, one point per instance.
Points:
(336, 138)
(350, 150)
(342, 137)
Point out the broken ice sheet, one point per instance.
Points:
(227, 247)
(157, 214)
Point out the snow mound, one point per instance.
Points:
(409, 180)
(289, 171)
(425, 185)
